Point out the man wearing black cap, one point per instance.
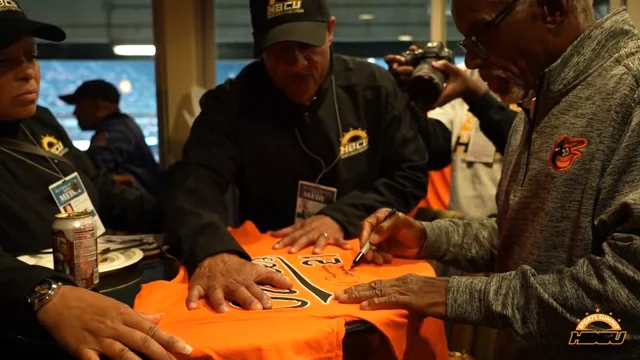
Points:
(36, 302)
(300, 131)
(118, 145)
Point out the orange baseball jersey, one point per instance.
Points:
(305, 322)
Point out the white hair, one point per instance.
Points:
(582, 8)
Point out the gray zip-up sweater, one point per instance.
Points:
(566, 241)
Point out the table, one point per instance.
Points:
(362, 340)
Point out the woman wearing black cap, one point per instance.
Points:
(84, 323)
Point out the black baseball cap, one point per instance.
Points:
(274, 21)
(94, 89)
(14, 24)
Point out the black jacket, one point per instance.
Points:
(495, 119)
(118, 147)
(28, 206)
(17, 279)
(245, 135)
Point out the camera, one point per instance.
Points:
(426, 82)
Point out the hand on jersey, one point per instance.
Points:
(417, 294)
(399, 236)
(87, 324)
(227, 276)
(318, 230)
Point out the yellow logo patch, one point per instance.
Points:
(353, 142)
(53, 145)
(9, 5)
(280, 7)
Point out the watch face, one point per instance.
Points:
(41, 290)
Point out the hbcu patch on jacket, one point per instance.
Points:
(53, 145)
(353, 142)
(565, 152)
(9, 5)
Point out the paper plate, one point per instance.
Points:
(112, 261)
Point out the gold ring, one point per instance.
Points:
(325, 235)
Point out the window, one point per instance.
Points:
(134, 78)
(229, 68)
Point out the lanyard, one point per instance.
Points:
(58, 173)
(325, 169)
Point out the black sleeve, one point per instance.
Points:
(17, 279)
(495, 119)
(403, 178)
(196, 209)
(436, 137)
(120, 208)
(123, 208)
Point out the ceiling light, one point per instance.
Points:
(134, 50)
(125, 86)
(366, 17)
(405, 38)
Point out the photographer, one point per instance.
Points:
(477, 123)
(495, 117)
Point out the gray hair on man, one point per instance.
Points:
(583, 8)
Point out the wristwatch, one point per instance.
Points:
(43, 293)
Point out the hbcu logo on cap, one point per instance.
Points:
(9, 5)
(280, 7)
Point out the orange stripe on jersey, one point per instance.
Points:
(306, 322)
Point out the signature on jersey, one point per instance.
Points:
(331, 264)
(340, 275)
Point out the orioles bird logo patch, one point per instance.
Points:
(565, 152)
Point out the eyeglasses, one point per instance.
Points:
(473, 43)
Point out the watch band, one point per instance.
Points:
(43, 293)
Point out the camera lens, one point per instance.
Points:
(425, 85)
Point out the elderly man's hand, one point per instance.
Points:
(421, 295)
(318, 230)
(227, 276)
(399, 236)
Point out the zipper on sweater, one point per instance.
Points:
(529, 135)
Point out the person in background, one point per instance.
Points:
(298, 123)
(476, 161)
(36, 302)
(478, 128)
(118, 145)
(566, 240)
